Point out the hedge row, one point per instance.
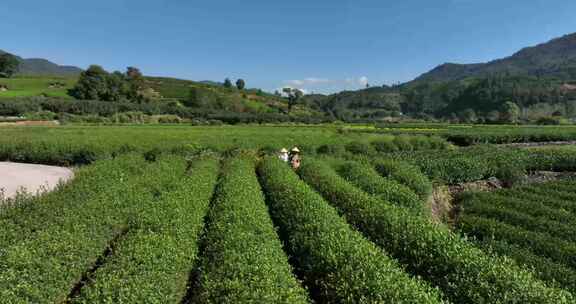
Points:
(517, 201)
(480, 162)
(387, 144)
(545, 269)
(540, 243)
(411, 143)
(153, 261)
(462, 271)
(490, 208)
(336, 262)
(45, 264)
(541, 134)
(567, 186)
(405, 174)
(471, 164)
(243, 260)
(567, 198)
(543, 197)
(365, 177)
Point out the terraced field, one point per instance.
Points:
(234, 224)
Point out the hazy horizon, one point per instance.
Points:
(320, 46)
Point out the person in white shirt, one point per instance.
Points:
(284, 155)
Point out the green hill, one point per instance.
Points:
(556, 58)
(185, 98)
(28, 86)
(213, 96)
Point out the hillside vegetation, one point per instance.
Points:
(28, 86)
(539, 80)
(43, 67)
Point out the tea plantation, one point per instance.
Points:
(181, 214)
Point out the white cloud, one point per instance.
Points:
(324, 85)
(280, 90)
(307, 81)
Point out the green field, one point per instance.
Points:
(183, 214)
(208, 98)
(28, 86)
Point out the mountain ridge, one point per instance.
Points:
(41, 66)
(555, 58)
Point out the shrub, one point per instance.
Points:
(359, 148)
(47, 247)
(403, 143)
(385, 146)
(489, 209)
(243, 260)
(540, 243)
(331, 149)
(545, 269)
(365, 177)
(152, 263)
(407, 175)
(336, 262)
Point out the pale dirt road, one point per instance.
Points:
(32, 178)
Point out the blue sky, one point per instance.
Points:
(317, 45)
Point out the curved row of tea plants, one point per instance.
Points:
(243, 260)
(153, 261)
(493, 207)
(336, 262)
(465, 273)
(366, 178)
(544, 198)
(46, 264)
(539, 206)
(545, 269)
(537, 218)
(540, 243)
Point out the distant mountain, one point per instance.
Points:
(541, 80)
(556, 58)
(38, 66)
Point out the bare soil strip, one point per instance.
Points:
(444, 201)
(85, 279)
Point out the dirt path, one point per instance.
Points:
(539, 144)
(31, 178)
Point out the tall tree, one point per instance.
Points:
(92, 84)
(227, 83)
(136, 84)
(240, 84)
(510, 112)
(9, 65)
(117, 87)
(294, 95)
